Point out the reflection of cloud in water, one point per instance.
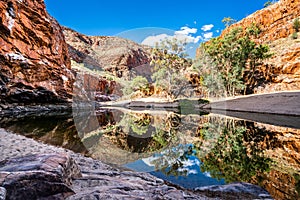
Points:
(190, 162)
(188, 171)
(206, 174)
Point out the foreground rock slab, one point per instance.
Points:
(232, 191)
(35, 176)
(2, 193)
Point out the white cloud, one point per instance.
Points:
(207, 27)
(187, 38)
(184, 34)
(208, 35)
(153, 40)
(186, 31)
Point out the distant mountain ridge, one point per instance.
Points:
(116, 55)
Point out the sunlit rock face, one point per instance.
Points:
(122, 57)
(282, 70)
(275, 21)
(34, 60)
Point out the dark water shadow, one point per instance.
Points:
(271, 119)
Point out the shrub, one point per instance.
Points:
(296, 24)
(139, 83)
(294, 35)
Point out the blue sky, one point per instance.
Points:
(132, 18)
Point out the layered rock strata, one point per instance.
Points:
(34, 59)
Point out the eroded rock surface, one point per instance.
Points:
(35, 65)
(2, 193)
(36, 176)
(89, 88)
(233, 190)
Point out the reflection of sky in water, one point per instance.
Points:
(192, 167)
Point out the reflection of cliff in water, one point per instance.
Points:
(229, 149)
(282, 146)
(252, 152)
(56, 129)
(126, 136)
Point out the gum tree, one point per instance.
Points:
(170, 62)
(228, 58)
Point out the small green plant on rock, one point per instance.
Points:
(296, 24)
(228, 21)
(268, 3)
(295, 35)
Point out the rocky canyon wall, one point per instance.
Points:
(34, 60)
(282, 70)
(121, 57)
(275, 21)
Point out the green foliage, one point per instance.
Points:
(136, 124)
(296, 24)
(170, 62)
(231, 159)
(228, 21)
(253, 30)
(295, 35)
(223, 60)
(268, 3)
(137, 84)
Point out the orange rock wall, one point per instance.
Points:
(34, 60)
(282, 71)
(275, 21)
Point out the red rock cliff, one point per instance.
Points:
(34, 61)
(119, 56)
(275, 21)
(282, 71)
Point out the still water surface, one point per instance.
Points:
(191, 149)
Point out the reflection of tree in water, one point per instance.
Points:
(232, 158)
(138, 132)
(223, 147)
(138, 123)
